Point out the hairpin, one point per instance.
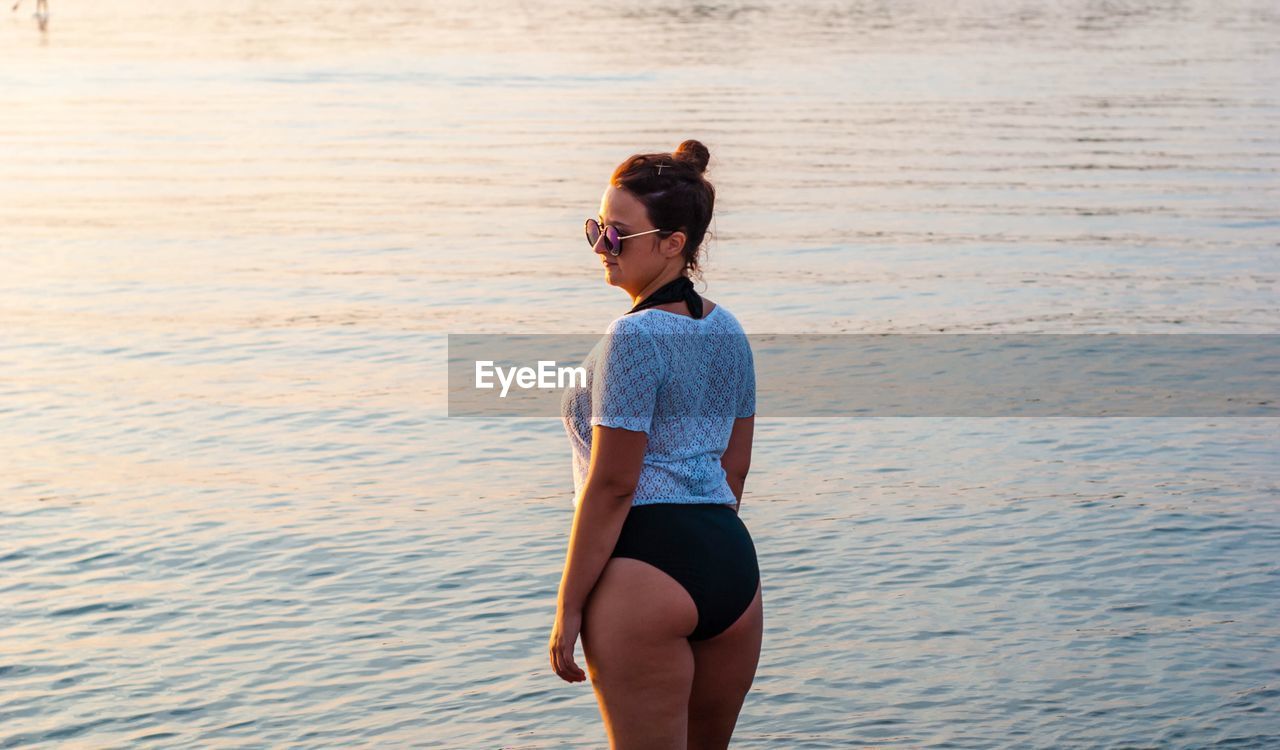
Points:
(660, 167)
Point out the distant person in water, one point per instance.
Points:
(661, 578)
(42, 11)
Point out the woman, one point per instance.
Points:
(661, 578)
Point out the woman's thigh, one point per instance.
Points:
(634, 635)
(724, 668)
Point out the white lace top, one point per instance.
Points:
(681, 380)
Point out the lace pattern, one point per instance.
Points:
(679, 379)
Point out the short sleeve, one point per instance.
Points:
(626, 376)
(747, 383)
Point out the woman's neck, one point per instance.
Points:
(653, 286)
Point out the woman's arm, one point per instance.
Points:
(737, 457)
(617, 456)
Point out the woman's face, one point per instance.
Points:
(642, 258)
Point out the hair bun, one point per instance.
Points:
(694, 152)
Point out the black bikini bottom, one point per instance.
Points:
(706, 548)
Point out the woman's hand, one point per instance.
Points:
(563, 638)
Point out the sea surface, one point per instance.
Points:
(234, 237)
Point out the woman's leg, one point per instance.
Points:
(634, 636)
(724, 668)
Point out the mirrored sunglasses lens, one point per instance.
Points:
(611, 241)
(593, 232)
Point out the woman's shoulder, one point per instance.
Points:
(628, 323)
(655, 321)
(727, 317)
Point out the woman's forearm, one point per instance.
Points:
(597, 523)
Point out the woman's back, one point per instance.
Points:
(680, 379)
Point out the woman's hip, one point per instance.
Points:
(698, 533)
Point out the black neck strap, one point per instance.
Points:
(679, 289)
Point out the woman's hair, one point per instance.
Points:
(673, 190)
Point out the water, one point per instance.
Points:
(235, 236)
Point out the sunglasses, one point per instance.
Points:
(612, 240)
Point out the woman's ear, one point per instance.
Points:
(674, 245)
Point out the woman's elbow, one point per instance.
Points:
(612, 489)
